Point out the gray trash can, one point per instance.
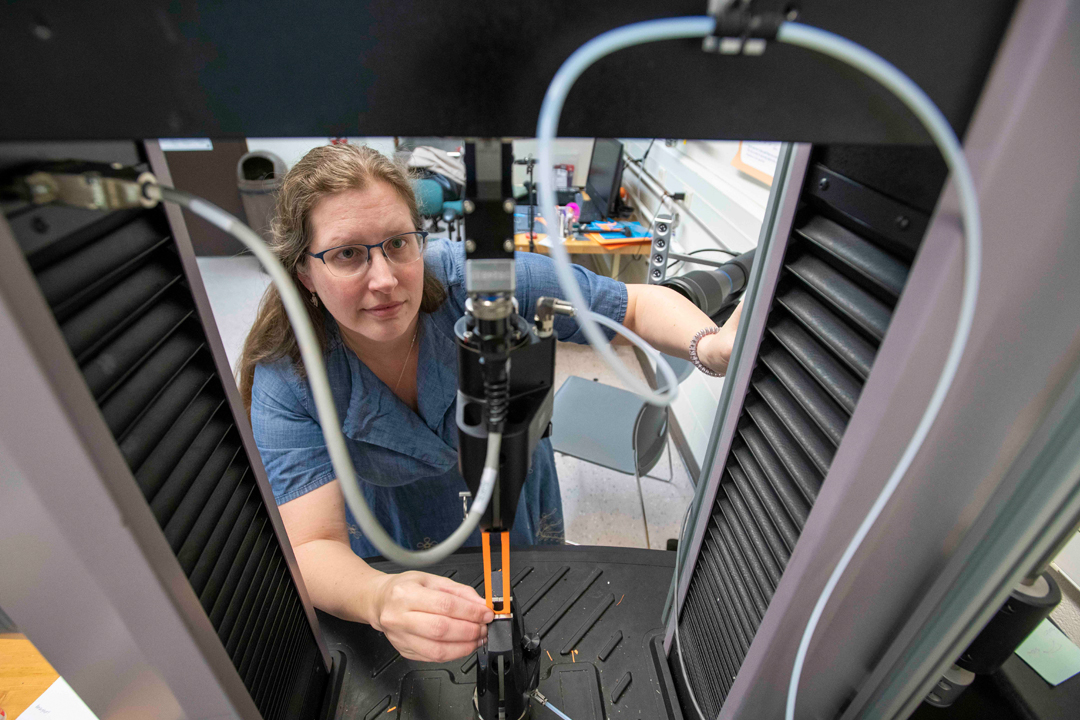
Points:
(258, 177)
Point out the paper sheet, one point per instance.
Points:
(757, 159)
(59, 701)
(1050, 653)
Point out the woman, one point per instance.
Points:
(385, 317)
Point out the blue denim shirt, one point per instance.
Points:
(407, 461)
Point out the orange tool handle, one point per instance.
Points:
(485, 544)
(505, 573)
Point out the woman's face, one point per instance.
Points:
(377, 305)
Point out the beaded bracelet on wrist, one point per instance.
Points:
(693, 350)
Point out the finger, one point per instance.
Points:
(442, 628)
(437, 602)
(465, 592)
(433, 651)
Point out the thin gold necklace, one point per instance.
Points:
(407, 356)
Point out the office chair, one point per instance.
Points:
(614, 428)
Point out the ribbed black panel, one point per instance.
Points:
(119, 294)
(113, 311)
(743, 459)
(828, 372)
(833, 303)
(872, 266)
(850, 303)
(856, 352)
(742, 492)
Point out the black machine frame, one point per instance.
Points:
(188, 69)
(191, 70)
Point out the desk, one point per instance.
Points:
(588, 247)
(24, 674)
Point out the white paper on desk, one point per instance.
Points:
(59, 702)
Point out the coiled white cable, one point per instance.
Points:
(661, 364)
(546, 129)
(312, 355)
(940, 131)
(557, 711)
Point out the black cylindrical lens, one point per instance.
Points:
(710, 290)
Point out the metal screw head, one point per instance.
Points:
(658, 259)
(468, 206)
(902, 222)
(470, 246)
(662, 228)
(508, 206)
(656, 274)
(660, 243)
(508, 245)
(823, 183)
(530, 644)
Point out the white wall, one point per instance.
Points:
(731, 205)
(567, 151)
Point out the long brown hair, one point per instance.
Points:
(321, 173)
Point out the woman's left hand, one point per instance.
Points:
(714, 351)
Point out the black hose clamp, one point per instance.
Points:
(739, 31)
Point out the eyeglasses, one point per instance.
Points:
(350, 260)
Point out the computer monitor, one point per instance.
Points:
(604, 179)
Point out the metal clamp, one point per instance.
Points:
(94, 186)
(495, 308)
(546, 310)
(739, 31)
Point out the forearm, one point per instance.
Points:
(664, 318)
(668, 322)
(339, 582)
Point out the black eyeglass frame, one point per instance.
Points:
(423, 244)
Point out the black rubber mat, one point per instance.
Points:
(598, 611)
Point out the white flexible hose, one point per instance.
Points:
(557, 711)
(940, 131)
(662, 365)
(924, 108)
(546, 129)
(311, 354)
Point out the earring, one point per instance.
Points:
(314, 299)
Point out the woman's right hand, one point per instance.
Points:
(430, 618)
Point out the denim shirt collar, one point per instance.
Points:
(375, 415)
